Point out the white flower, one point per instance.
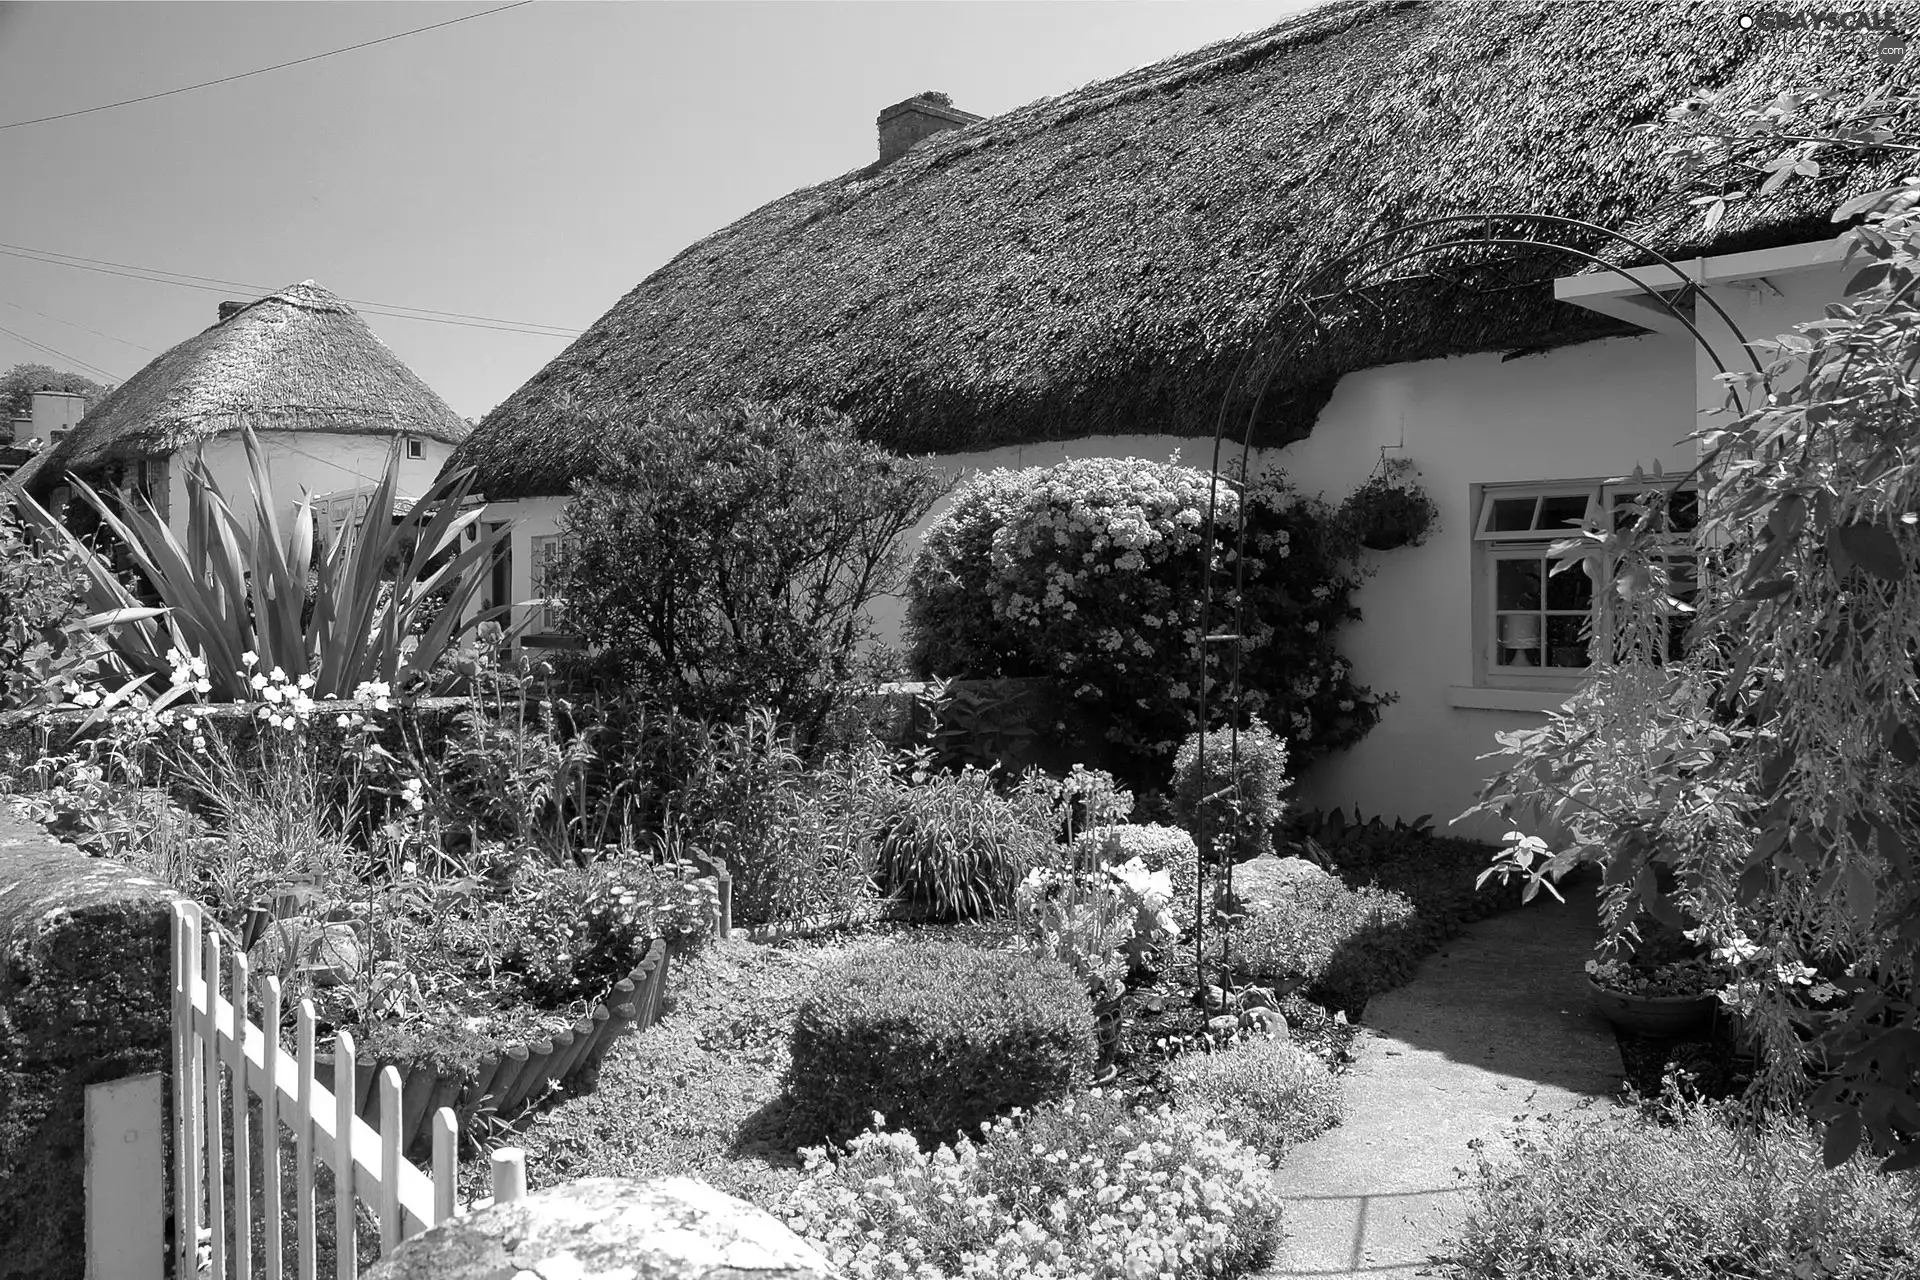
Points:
(249, 658)
(279, 675)
(306, 680)
(199, 742)
(259, 681)
(203, 685)
(344, 722)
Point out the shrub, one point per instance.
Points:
(937, 1038)
(1085, 1190)
(952, 844)
(43, 585)
(1203, 791)
(1161, 848)
(1087, 573)
(1265, 1092)
(1348, 944)
(1700, 1199)
(726, 559)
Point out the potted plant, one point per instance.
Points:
(1652, 997)
(1390, 510)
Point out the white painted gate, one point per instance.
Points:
(222, 1059)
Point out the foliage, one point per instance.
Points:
(237, 584)
(1087, 573)
(1638, 976)
(938, 1037)
(1100, 923)
(1341, 946)
(584, 929)
(1390, 510)
(1798, 821)
(43, 585)
(1085, 1190)
(727, 559)
(1265, 1092)
(18, 384)
(1704, 1197)
(954, 845)
(1235, 795)
(1157, 847)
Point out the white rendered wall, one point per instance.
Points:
(303, 464)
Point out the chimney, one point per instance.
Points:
(228, 310)
(921, 116)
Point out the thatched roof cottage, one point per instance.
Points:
(1082, 275)
(327, 398)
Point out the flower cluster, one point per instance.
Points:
(1086, 1190)
(1670, 978)
(1101, 923)
(1088, 572)
(285, 702)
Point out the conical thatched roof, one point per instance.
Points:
(1097, 263)
(296, 360)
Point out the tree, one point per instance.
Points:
(19, 383)
(1781, 812)
(725, 559)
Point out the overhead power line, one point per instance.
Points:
(213, 284)
(58, 354)
(260, 71)
(21, 306)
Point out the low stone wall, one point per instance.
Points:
(611, 1229)
(85, 997)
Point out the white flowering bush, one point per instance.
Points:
(1085, 1190)
(1089, 572)
(1265, 1091)
(1158, 847)
(1101, 923)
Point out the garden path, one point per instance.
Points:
(1495, 1024)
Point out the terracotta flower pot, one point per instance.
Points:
(1668, 1017)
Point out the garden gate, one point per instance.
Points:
(222, 1062)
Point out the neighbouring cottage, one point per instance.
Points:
(1082, 276)
(327, 399)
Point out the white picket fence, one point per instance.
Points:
(222, 1059)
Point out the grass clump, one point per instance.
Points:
(1702, 1198)
(937, 1037)
(1082, 1190)
(1265, 1092)
(954, 845)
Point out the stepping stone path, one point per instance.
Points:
(1496, 1024)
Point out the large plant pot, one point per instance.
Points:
(1667, 1017)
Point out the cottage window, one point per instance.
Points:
(416, 447)
(1530, 623)
(549, 552)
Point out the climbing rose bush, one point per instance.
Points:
(1089, 572)
(1081, 1191)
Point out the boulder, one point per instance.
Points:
(1261, 880)
(330, 951)
(611, 1229)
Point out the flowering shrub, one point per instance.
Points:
(1157, 847)
(1205, 790)
(1266, 1092)
(939, 1037)
(1085, 1190)
(1088, 573)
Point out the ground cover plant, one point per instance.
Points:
(1705, 1195)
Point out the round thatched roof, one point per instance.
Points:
(1098, 262)
(296, 360)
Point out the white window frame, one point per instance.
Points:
(416, 448)
(548, 619)
(1490, 547)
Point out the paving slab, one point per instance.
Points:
(1496, 1025)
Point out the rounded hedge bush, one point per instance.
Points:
(1201, 788)
(936, 1037)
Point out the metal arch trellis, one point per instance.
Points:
(1302, 317)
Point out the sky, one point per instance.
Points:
(531, 165)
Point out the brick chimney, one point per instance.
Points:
(228, 310)
(921, 116)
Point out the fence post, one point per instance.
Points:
(509, 1175)
(126, 1180)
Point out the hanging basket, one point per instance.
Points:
(1390, 510)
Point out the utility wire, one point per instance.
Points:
(390, 310)
(59, 355)
(21, 306)
(278, 66)
(71, 258)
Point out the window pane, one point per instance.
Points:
(1684, 511)
(1557, 512)
(1570, 588)
(1517, 584)
(1512, 515)
(1565, 648)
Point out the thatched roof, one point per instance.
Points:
(296, 360)
(1097, 263)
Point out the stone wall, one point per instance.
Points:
(85, 997)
